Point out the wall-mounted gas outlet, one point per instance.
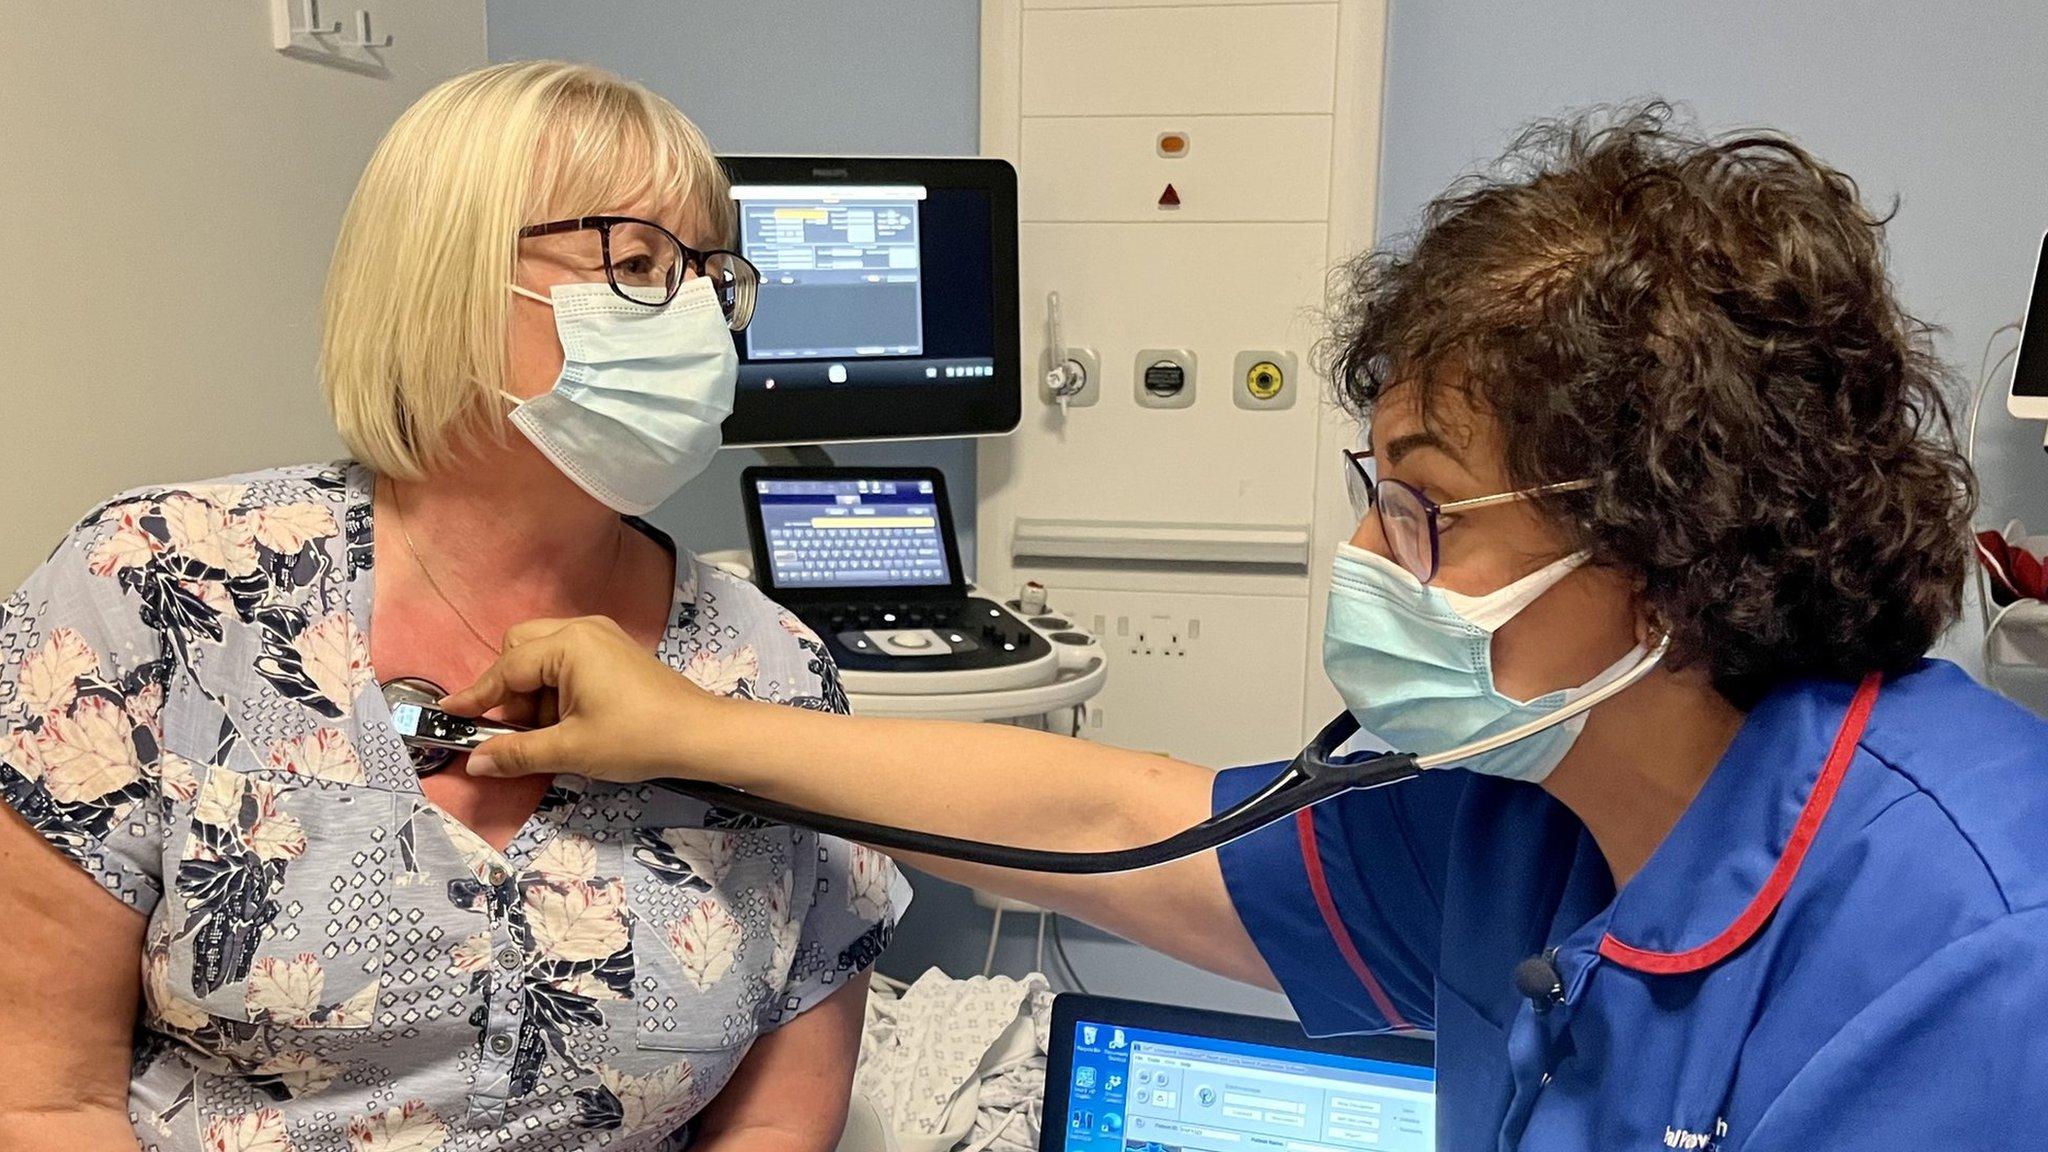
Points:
(1091, 377)
(1264, 379)
(1165, 377)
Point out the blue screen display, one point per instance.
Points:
(1136, 1090)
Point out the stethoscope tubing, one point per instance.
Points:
(1312, 777)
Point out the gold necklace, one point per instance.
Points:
(411, 549)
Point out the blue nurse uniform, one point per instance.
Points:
(1843, 943)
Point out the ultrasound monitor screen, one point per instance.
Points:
(888, 298)
(841, 268)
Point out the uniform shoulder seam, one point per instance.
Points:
(1962, 834)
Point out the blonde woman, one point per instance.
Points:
(240, 915)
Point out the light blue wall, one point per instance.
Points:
(1943, 105)
(872, 76)
(819, 76)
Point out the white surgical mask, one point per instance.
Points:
(635, 413)
(1414, 664)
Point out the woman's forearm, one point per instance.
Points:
(791, 1090)
(764, 1139)
(71, 971)
(985, 781)
(84, 1129)
(1008, 786)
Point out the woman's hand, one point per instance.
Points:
(606, 708)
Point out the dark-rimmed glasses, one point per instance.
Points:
(647, 264)
(1412, 522)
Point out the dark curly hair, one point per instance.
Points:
(1706, 327)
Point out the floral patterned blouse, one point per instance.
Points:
(333, 964)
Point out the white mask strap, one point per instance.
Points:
(1497, 608)
(1615, 671)
(531, 295)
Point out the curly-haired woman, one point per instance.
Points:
(1789, 891)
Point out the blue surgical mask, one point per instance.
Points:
(1414, 664)
(635, 414)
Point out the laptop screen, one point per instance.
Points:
(1142, 1090)
(844, 532)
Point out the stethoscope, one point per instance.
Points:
(432, 738)
(1314, 775)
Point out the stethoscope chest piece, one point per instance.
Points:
(426, 759)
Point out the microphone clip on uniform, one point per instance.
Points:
(1539, 981)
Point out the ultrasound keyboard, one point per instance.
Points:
(858, 555)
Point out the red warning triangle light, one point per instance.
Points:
(1169, 198)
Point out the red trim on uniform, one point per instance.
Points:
(1767, 899)
(1312, 861)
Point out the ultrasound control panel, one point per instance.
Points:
(867, 557)
(931, 635)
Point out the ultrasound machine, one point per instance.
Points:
(887, 311)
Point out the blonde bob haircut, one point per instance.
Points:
(414, 345)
